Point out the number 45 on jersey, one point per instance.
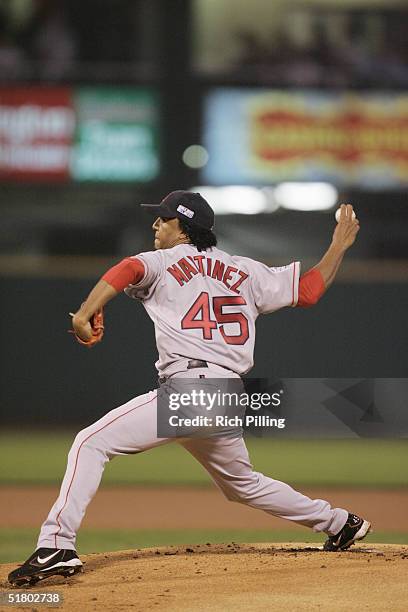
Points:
(199, 317)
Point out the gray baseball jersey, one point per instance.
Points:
(204, 304)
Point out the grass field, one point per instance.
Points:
(30, 458)
(18, 544)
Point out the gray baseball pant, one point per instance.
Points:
(132, 428)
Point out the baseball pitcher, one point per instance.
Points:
(204, 303)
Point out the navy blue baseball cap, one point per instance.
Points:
(187, 206)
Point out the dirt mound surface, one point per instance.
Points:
(231, 577)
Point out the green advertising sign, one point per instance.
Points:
(116, 135)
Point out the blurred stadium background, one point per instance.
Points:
(275, 111)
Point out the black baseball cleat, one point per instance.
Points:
(355, 528)
(43, 563)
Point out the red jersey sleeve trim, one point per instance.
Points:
(129, 271)
(311, 288)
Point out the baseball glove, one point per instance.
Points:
(96, 322)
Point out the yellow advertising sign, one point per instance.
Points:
(349, 138)
(287, 133)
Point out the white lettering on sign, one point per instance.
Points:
(40, 157)
(28, 122)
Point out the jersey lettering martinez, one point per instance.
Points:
(204, 304)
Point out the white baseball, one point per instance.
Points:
(337, 215)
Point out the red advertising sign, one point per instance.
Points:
(36, 133)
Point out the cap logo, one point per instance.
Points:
(185, 211)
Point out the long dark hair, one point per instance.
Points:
(201, 238)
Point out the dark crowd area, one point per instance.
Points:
(342, 48)
(57, 40)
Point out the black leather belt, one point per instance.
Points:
(191, 364)
(196, 363)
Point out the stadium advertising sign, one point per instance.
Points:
(36, 131)
(116, 137)
(263, 137)
(97, 134)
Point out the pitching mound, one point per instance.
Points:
(234, 577)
